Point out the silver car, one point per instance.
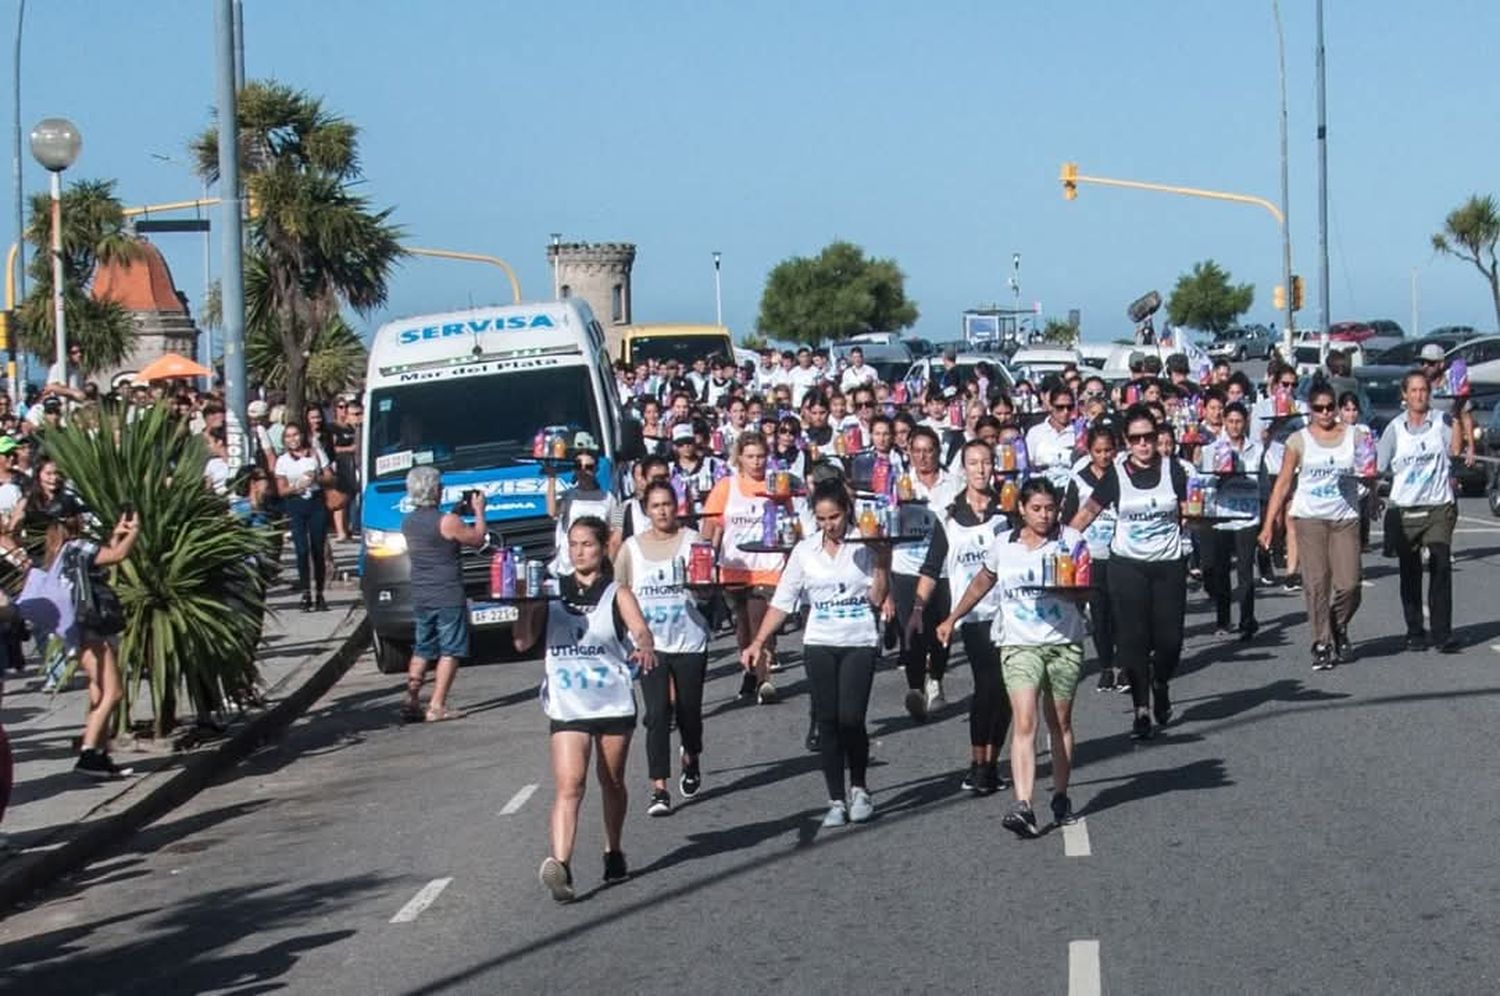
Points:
(1242, 343)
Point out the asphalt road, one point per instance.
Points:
(1293, 832)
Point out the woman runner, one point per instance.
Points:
(1317, 472)
(646, 565)
(586, 693)
(1148, 574)
(842, 584)
(1102, 449)
(960, 550)
(1041, 648)
(922, 657)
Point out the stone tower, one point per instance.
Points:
(598, 272)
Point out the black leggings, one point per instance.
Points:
(925, 655)
(686, 671)
(308, 520)
(1149, 598)
(1219, 546)
(841, 678)
(989, 713)
(1102, 615)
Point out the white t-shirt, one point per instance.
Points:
(295, 469)
(801, 381)
(216, 471)
(857, 377)
(836, 590)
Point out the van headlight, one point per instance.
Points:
(384, 542)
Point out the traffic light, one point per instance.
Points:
(1296, 293)
(1069, 178)
(252, 202)
(1278, 298)
(7, 325)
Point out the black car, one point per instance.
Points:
(1405, 353)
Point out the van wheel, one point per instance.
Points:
(391, 656)
(1493, 494)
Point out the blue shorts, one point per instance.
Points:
(442, 633)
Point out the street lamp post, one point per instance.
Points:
(556, 274)
(718, 291)
(1015, 289)
(55, 142)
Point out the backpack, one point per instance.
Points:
(95, 604)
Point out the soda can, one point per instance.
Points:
(536, 576)
(679, 572)
(1049, 571)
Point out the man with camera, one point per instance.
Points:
(439, 610)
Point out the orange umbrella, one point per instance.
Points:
(172, 366)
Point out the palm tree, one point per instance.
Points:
(314, 244)
(335, 357)
(93, 232)
(1470, 232)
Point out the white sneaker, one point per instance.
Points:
(935, 698)
(837, 814)
(861, 807)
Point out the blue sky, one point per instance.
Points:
(931, 133)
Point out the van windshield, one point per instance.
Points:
(477, 422)
(683, 348)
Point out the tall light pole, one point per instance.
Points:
(16, 179)
(1324, 315)
(1015, 290)
(556, 274)
(1286, 228)
(718, 291)
(55, 142)
(232, 246)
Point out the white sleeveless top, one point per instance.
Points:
(969, 550)
(1149, 525)
(836, 590)
(1420, 466)
(743, 524)
(1324, 488)
(1029, 620)
(1101, 531)
(588, 673)
(573, 509)
(672, 614)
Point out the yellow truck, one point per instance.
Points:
(639, 343)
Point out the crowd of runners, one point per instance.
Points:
(1038, 526)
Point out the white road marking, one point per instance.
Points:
(425, 897)
(518, 800)
(1367, 584)
(1083, 968)
(1487, 523)
(1076, 839)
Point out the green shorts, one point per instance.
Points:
(1051, 666)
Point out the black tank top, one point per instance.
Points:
(436, 578)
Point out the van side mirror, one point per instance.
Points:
(631, 445)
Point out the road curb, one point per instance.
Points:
(157, 794)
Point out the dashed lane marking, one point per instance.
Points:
(518, 800)
(1076, 839)
(1083, 968)
(425, 897)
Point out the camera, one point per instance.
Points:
(465, 504)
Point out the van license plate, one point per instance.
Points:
(490, 615)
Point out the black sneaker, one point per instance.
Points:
(319, 605)
(916, 705)
(1343, 650)
(661, 805)
(614, 867)
(1449, 646)
(1416, 642)
(1322, 657)
(1161, 706)
(997, 777)
(1106, 680)
(691, 780)
(1293, 583)
(1021, 821)
(1140, 729)
(749, 685)
(1248, 631)
(307, 602)
(973, 778)
(989, 779)
(96, 764)
(1062, 811)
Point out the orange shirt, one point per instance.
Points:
(736, 566)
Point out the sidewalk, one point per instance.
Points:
(58, 819)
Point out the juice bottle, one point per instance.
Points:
(869, 525)
(559, 446)
(1195, 498)
(1007, 457)
(1008, 495)
(905, 489)
(1065, 569)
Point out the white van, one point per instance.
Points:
(466, 392)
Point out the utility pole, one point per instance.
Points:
(1286, 229)
(239, 45)
(718, 291)
(1325, 315)
(15, 382)
(232, 268)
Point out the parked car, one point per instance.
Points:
(1242, 343)
(919, 346)
(1094, 355)
(1351, 331)
(1405, 354)
(1035, 362)
(922, 370)
(1490, 446)
(1482, 354)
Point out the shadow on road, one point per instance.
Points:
(1194, 776)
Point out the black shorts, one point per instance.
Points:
(608, 726)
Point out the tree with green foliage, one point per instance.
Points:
(1059, 332)
(93, 232)
(335, 358)
(1206, 300)
(1470, 232)
(315, 245)
(836, 294)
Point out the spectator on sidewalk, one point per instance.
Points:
(302, 472)
(433, 542)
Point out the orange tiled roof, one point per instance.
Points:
(141, 284)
